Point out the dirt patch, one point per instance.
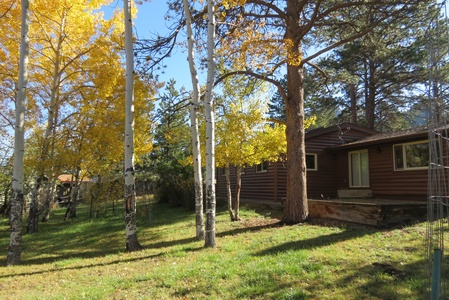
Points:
(258, 223)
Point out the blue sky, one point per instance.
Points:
(150, 19)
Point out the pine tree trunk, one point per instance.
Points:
(210, 130)
(370, 105)
(194, 105)
(132, 243)
(296, 205)
(353, 108)
(17, 200)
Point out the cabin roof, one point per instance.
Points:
(383, 137)
(68, 178)
(340, 127)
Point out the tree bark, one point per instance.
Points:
(15, 229)
(370, 99)
(75, 194)
(53, 108)
(353, 108)
(194, 106)
(71, 207)
(48, 200)
(132, 243)
(33, 216)
(229, 192)
(210, 130)
(296, 205)
(238, 187)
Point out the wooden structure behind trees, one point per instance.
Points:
(390, 173)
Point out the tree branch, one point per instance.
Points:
(257, 76)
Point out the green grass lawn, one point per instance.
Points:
(254, 259)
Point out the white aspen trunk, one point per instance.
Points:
(210, 130)
(71, 208)
(237, 193)
(49, 200)
(229, 192)
(132, 244)
(53, 109)
(194, 105)
(15, 241)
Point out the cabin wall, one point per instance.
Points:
(385, 182)
(255, 185)
(322, 183)
(272, 185)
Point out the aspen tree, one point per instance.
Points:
(59, 49)
(15, 243)
(210, 129)
(132, 243)
(194, 106)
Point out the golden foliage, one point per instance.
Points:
(293, 57)
(76, 72)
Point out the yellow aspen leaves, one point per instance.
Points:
(293, 57)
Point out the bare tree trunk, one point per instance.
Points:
(237, 193)
(71, 207)
(353, 97)
(48, 145)
(132, 244)
(4, 208)
(229, 192)
(33, 216)
(296, 206)
(210, 130)
(75, 194)
(15, 239)
(50, 198)
(370, 105)
(194, 106)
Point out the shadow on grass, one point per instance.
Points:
(392, 280)
(319, 241)
(104, 235)
(56, 269)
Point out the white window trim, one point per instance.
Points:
(405, 168)
(263, 169)
(316, 161)
(360, 173)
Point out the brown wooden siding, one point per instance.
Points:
(322, 183)
(385, 182)
(272, 185)
(255, 185)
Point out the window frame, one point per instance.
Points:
(360, 172)
(404, 156)
(315, 160)
(264, 168)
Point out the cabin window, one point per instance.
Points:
(311, 162)
(359, 169)
(263, 167)
(411, 156)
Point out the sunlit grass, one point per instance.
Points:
(254, 259)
